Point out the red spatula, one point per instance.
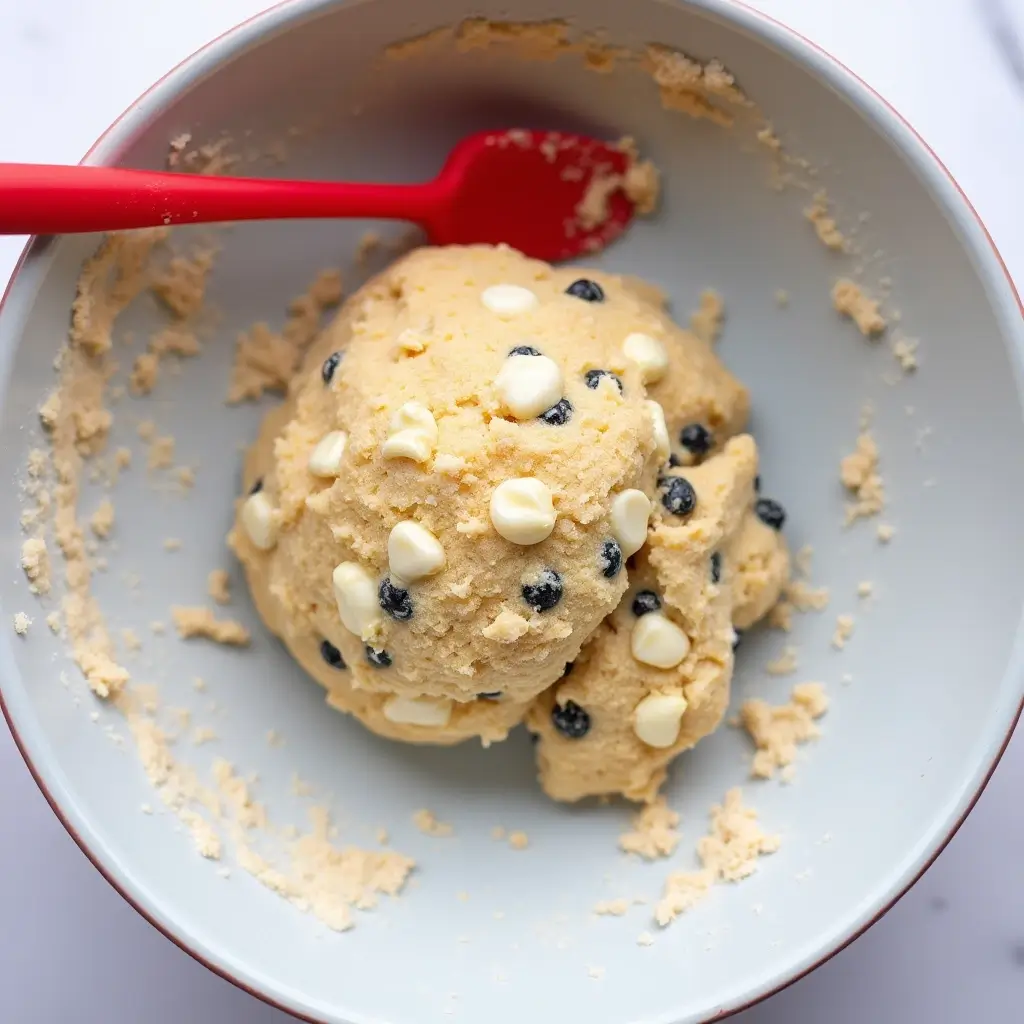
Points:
(518, 187)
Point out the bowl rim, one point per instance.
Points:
(935, 177)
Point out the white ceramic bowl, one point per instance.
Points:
(935, 661)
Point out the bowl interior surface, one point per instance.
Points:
(933, 685)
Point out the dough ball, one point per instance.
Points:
(442, 431)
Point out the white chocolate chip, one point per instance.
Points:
(522, 511)
(630, 512)
(414, 552)
(529, 385)
(412, 434)
(430, 712)
(356, 593)
(259, 521)
(508, 299)
(656, 719)
(662, 444)
(658, 641)
(326, 458)
(649, 354)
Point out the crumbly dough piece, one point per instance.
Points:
(777, 730)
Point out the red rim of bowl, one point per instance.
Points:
(853, 936)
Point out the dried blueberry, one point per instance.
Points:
(611, 559)
(543, 595)
(257, 486)
(679, 497)
(489, 695)
(587, 290)
(696, 439)
(559, 414)
(378, 659)
(395, 601)
(674, 461)
(331, 654)
(570, 720)
(716, 567)
(569, 666)
(757, 483)
(330, 365)
(771, 513)
(645, 601)
(524, 350)
(593, 378)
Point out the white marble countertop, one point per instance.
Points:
(953, 948)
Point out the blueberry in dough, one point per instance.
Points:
(611, 559)
(696, 439)
(559, 414)
(331, 654)
(770, 512)
(330, 365)
(587, 290)
(545, 593)
(679, 497)
(378, 659)
(395, 601)
(646, 601)
(570, 720)
(593, 377)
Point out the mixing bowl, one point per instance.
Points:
(924, 694)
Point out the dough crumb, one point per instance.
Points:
(203, 734)
(21, 623)
(597, 973)
(181, 285)
(865, 589)
(781, 298)
(654, 832)
(429, 825)
(843, 631)
(850, 300)
(218, 586)
(728, 853)
(612, 908)
(518, 840)
(172, 543)
(904, 351)
(53, 622)
(706, 322)
(776, 731)
(498, 833)
(824, 223)
(35, 561)
(131, 640)
(369, 243)
(784, 664)
(645, 939)
(640, 182)
(102, 520)
(859, 474)
(161, 453)
(201, 622)
(885, 532)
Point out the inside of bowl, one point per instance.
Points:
(921, 695)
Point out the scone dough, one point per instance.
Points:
(521, 525)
